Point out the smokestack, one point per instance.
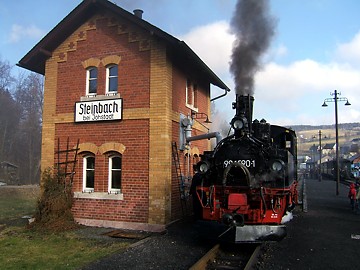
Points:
(244, 106)
(138, 13)
(253, 28)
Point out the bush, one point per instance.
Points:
(54, 205)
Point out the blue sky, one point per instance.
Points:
(315, 50)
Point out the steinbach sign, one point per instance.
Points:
(98, 110)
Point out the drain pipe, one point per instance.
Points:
(223, 95)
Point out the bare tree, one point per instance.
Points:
(8, 113)
(5, 75)
(9, 119)
(29, 98)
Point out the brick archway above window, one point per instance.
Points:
(111, 59)
(112, 146)
(91, 62)
(88, 147)
(194, 151)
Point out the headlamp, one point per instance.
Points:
(237, 123)
(203, 166)
(277, 165)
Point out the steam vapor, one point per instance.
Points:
(253, 28)
(287, 217)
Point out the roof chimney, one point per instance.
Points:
(138, 13)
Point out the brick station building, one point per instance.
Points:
(122, 87)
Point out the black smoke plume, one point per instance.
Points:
(253, 27)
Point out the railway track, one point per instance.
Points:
(229, 257)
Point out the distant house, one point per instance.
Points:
(354, 149)
(9, 173)
(326, 158)
(349, 149)
(328, 149)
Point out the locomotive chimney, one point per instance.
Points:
(138, 13)
(244, 106)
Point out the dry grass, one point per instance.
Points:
(17, 201)
(24, 248)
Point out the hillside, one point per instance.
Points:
(344, 126)
(309, 135)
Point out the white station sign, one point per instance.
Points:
(98, 110)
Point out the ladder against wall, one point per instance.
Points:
(183, 183)
(66, 162)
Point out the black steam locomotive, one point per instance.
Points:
(245, 189)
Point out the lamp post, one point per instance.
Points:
(320, 157)
(335, 99)
(320, 154)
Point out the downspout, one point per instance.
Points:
(223, 95)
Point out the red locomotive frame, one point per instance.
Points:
(269, 210)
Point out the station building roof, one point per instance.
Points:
(179, 51)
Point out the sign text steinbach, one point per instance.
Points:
(99, 110)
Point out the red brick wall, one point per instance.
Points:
(179, 105)
(134, 88)
(134, 69)
(179, 84)
(135, 165)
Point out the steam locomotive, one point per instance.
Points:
(245, 189)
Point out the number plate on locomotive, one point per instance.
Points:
(249, 163)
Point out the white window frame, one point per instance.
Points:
(190, 105)
(108, 77)
(85, 170)
(111, 169)
(88, 79)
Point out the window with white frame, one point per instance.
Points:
(191, 94)
(88, 173)
(112, 79)
(91, 81)
(115, 173)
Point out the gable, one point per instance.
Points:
(177, 50)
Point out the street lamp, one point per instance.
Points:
(335, 99)
(320, 155)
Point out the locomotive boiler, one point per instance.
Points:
(245, 188)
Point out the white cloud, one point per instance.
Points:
(350, 52)
(298, 88)
(213, 43)
(19, 32)
(306, 76)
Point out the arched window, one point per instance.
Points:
(112, 79)
(115, 173)
(88, 173)
(91, 81)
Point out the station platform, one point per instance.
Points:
(324, 236)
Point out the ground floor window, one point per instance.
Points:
(115, 174)
(88, 173)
